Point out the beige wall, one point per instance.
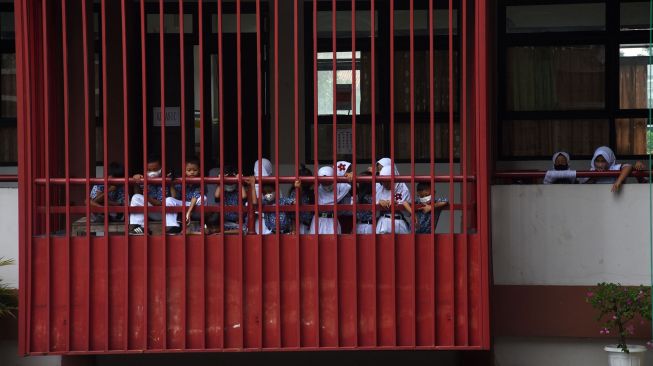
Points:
(570, 234)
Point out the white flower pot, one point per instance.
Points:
(618, 358)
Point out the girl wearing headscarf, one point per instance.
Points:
(344, 169)
(560, 174)
(325, 223)
(266, 171)
(386, 197)
(605, 160)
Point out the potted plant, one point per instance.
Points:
(618, 305)
(8, 298)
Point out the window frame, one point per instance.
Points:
(611, 38)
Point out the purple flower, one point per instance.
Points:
(590, 294)
(630, 329)
(649, 344)
(614, 317)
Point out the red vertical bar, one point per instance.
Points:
(432, 161)
(295, 340)
(164, 321)
(374, 340)
(125, 117)
(87, 153)
(463, 166)
(392, 109)
(66, 121)
(451, 168)
(349, 253)
(334, 128)
(258, 271)
(240, 153)
(182, 79)
(46, 119)
(145, 330)
(315, 244)
(202, 116)
(240, 173)
(483, 169)
(105, 159)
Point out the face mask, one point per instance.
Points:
(561, 167)
(425, 199)
(230, 187)
(269, 196)
(328, 188)
(156, 174)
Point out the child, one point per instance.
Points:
(307, 198)
(115, 194)
(364, 196)
(231, 198)
(386, 197)
(423, 214)
(605, 160)
(266, 170)
(344, 169)
(194, 196)
(156, 197)
(561, 174)
(325, 223)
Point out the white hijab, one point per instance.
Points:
(555, 156)
(326, 197)
(342, 167)
(266, 168)
(609, 157)
(401, 192)
(400, 188)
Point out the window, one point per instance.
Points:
(363, 76)
(571, 78)
(8, 141)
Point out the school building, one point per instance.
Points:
(472, 97)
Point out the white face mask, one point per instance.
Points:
(425, 199)
(269, 196)
(230, 187)
(328, 188)
(156, 174)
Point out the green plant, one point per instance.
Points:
(8, 298)
(618, 305)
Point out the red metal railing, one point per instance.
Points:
(84, 290)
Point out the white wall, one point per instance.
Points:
(570, 234)
(9, 233)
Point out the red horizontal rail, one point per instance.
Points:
(579, 174)
(282, 179)
(9, 178)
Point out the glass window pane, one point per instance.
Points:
(247, 23)
(555, 78)
(541, 138)
(421, 22)
(631, 136)
(344, 81)
(8, 145)
(6, 25)
(343, 23)
(634, 15)
(8, 85)
(170, 23)
(421, 85)
(635, 82)
(555, 18)
(363, 142)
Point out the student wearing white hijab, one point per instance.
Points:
(399, 187)
(266, 171)
(561, 174)
(325, 222)
(386, 197)
(605, 160)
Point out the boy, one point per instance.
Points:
(156, 197)
(194, 196)
(423, 214)
(115, 194)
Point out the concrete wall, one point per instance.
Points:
(570, 234)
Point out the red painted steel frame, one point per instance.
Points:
(133, 294)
